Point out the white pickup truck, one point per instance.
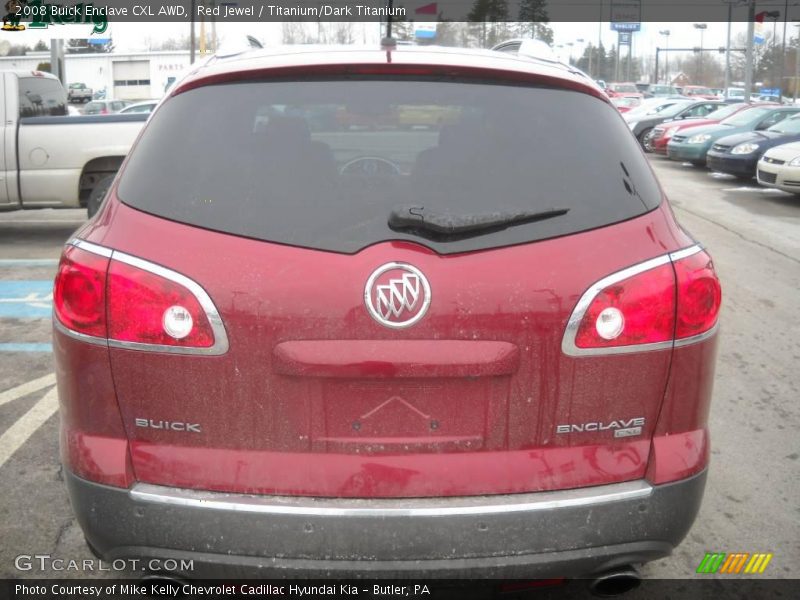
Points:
(48, 159)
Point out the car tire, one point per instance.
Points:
(643, 136)
(97, 194)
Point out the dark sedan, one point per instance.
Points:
(642, 124)
(739, 154)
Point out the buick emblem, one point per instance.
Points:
(397, 295)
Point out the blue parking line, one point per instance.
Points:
(26, 299)
(11, 347)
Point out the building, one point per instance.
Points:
(130, 76)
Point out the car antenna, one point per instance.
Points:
(389, 42)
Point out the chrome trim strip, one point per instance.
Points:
(404, 507)
(680, 254)
(568, 346)
(215, 320)
(699, 337)
(89, 247)
(81, 337)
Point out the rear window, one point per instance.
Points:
(323, 164)
(41, 97)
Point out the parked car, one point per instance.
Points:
(734, 95)
(698, 92)
(659, 90)
(104, 107)
(693, 145)
(739, 154)
(642, 126)
(146, 106)
(663, 133)
(779, 167)
(79, 92)
(51, 159)
(626, 103)
(622, 89)
(271, 382)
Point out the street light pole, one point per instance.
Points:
(796, 63)
(748, 70)
(702, 27)
(665, 33)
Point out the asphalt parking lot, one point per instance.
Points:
(752, 501)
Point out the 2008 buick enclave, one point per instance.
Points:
(394, 311)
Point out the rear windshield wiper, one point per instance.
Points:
(427, 223)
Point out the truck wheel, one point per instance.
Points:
(98, 193)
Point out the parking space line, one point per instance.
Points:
(28, 262)
(25, 347)
(19, 432)
(27, 388)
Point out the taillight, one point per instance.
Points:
(699, 295)
(647, 307)
(79, 294)
(146, 308)
(636, 310)
(131, 303)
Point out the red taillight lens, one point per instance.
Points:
(699, 295)
(636, 310)
(143, 307)
(133, 303)
(677, 298)
(79, 296)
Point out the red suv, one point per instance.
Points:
(479, 345)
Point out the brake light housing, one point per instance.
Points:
(673, 299)
(112, 298)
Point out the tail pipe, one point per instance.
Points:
(616, 582)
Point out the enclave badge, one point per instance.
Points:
(397, 295)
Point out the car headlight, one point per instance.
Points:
(795, 162)
(669, 132)
(746, 148)
(698, 139)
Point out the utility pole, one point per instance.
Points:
(796, 65)
(783, 49)
(728, 52)
(191, 33)
(748, 69)
(665, 33)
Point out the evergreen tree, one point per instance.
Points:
(533, 19)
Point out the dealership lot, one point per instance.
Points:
(751, 502)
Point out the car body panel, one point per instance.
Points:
(294, 425)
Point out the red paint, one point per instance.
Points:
(395, 358)
(678, 456)
(315, 397)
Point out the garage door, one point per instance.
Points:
(132, 80)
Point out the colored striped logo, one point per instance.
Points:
(735, 563)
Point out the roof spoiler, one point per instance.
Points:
(538, 50)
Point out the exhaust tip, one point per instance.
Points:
(616, 582)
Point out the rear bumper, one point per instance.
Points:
(549, 534)
(733, 166)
